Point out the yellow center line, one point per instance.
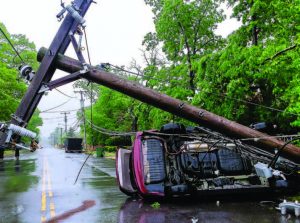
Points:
(46, 189)
(44, 198)
(43, 219)
(50, 193)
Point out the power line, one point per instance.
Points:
(221, 94)
(55, 118)
(253, 103)
(110, 132)
(72, 110)
(269, 137)
(47, 110)
(64, 93)
(11, 44)
(87, 46)
(89, 58)
(134, 73)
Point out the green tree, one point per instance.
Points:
(35, 122)
(12, 87)
(258, 68)
(109, 112)
(186, 30)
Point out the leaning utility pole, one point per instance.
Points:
(66, 120)
(83, 115)
(73, 15)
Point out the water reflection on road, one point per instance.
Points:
(142, 212)
(16, 177)
(42, 184)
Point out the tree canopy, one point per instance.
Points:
(12, 86)
(250, 76)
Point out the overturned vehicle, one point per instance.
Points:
(179, 161)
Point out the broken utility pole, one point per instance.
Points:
(174, 106)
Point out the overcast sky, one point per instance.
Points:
(115, 30)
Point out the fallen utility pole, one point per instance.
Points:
(174, 106)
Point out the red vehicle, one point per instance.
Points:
(177, 161)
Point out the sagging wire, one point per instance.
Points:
(277, 155)
(64, 93)
(209, 148)
(250, 151)
(25, 71)
(245, 150)
(89, 59)
(221, 94)
(87, 46)
(109, 132)
(75, 125)
(47, 110)
(268, 137)
(252, 103)
(105, 65)
(60, 117)
(91, 86)
(11, 44)
(82, 167)
(63, 111)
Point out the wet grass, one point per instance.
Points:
(17, 176)
(294, 198)
(9, 153)
(110, 155)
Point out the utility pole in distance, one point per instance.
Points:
(83, 115)
(66, 120)
(61, 135)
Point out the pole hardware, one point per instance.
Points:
(77, 46)
(11, 130)
(19, 120)
(26, 72)
(64, 80)
(14, 129)
(72, 9)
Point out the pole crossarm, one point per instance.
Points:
(62, 81)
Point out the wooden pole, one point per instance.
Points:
(175, 106)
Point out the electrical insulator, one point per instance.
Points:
(21, 131)
(26, 72)
(75, 14)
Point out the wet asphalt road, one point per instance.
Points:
(40, 188)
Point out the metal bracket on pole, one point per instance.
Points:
(63, 80)
(77, 47)
(19, 120)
